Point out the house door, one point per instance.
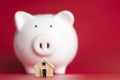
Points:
(44, 72)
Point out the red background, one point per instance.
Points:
(97, 23)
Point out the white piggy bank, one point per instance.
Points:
(45, 35)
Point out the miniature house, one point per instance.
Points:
(44, 68)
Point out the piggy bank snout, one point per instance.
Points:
(43, 46)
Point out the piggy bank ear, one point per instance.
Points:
(20, 18)
(66, 16)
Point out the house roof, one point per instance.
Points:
(44, 59)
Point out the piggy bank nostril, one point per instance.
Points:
(41, 45)
(48, 45)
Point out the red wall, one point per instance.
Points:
(97, 23)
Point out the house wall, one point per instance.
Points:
(49, 71)
(37, 72)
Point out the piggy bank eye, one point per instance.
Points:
(51, 26)
(35, 26)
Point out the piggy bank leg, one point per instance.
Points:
(60, 70)
(30, 70)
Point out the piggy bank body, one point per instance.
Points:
(45, 35)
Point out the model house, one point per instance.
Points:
(44, 68)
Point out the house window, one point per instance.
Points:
(43, 63)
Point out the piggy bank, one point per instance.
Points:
(45, 35)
